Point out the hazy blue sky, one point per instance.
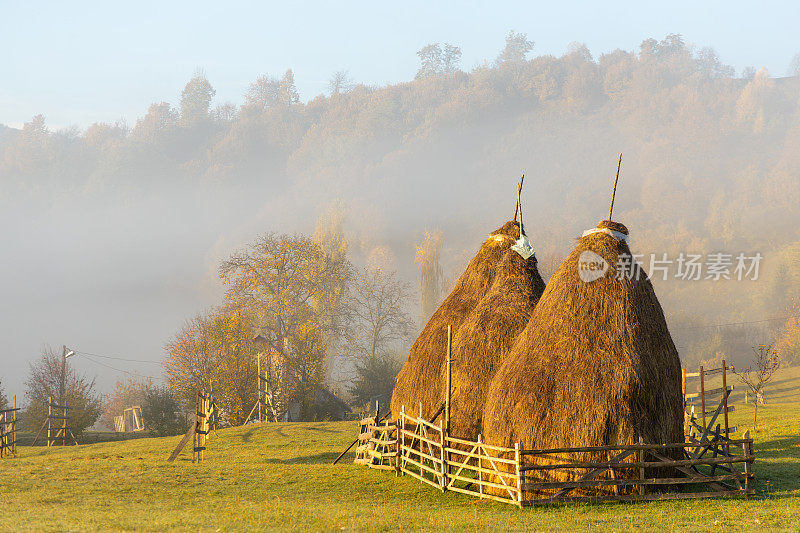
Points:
(81, 62)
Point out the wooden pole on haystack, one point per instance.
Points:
(518, 208)
(614, 191)
(258, 382)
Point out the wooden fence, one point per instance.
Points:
(58, 430)
(8, 430)
(413, 446)
(712, 403)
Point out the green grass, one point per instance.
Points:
(279, 477)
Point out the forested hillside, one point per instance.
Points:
(711, 164)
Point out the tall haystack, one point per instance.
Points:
(595, 365)
(488, 307)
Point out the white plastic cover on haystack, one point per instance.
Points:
(523, 247)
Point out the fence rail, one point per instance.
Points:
(713, 466)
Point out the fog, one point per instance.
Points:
(112, 235)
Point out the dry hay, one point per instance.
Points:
(488, 307)
(485, 338)
(595, 365)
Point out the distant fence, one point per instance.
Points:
(8, 430)
(632, 472)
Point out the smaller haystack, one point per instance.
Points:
(487, 334)
(595, 365)
(421, 380)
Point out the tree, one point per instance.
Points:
(126, 394)
(375, 379)
(788, 344)
(225, 113)
(287, 91)
(44, 381)
(159, 118)
(161, 412)
(431, 58)
(262, 93)
(284, 283)
(751, 103)
(430, 272)
(196, 99)
(767, 362)
(516, 49)
(340, 83)
(377, 307)
(3, 399)
(215, 350)
(234, 373)
(437, 61)
(329, 236)
(794, 66)
(710, 65)
(451, 59)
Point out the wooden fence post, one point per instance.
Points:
(725, 407)
(640, 456)
(443, 442)
(194, 431)
(14, 429)
(480, 467)
(64, 421)
(703, 398)
(683, 391)
(258, 384)
(401, 447)
(49, 412)
(517, 459)
(747, 447)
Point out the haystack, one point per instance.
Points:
(488, 307)
(595, 365)
(485, 337)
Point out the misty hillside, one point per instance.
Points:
(711, 163)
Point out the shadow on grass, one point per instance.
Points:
(783, 448)
(247, 435)
(324, 430)
(317, 459)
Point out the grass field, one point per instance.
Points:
(279, 477)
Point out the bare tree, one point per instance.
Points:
(340, 83)
(45, 380)
(377, 308)
(794, 66)
(767, 362)
(437, 61)
(3, 399)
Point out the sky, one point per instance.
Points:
(84, 62)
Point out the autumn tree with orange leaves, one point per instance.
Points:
(215, 350)
(291, 291)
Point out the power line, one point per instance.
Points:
(118, 358)
(135, 374)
